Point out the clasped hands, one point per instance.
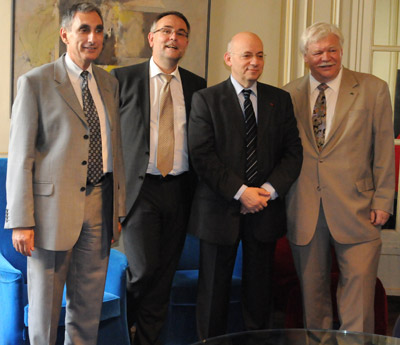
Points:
(254, 200)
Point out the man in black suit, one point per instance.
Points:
(245, 148)
(158, 197)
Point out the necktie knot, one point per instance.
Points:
(246, 94)
(322, 87)
(166, 78)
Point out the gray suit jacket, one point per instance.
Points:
(354, 172)
(46, 176)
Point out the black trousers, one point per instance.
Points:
(215, 277)
(154, 234)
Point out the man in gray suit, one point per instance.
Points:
(345, 190)
(65, 182)
(158, 199)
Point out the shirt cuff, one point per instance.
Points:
(240, 192)
(268, 187)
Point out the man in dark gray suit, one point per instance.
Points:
(65, 185)
(245, 148)
(159, 194)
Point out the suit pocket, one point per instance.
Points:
(43, 188)
(365, 184)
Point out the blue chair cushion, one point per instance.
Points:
(110, 308)
(184, 288)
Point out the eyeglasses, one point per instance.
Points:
(168, 32)
(249, 56)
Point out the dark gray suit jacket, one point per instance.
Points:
(135, 120)
(217, 149)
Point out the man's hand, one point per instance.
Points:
(254, 200)
(379, 217)
(23, 241)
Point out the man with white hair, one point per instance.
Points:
(345, 190)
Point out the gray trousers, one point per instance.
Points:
(82, 268)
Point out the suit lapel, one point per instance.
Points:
(347, 94)
(65, 88)
(234, 111)
(144, 95)
(187, 91)
(265, 106)
(302, 99)
(106, 95)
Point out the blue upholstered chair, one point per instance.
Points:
(180, 327)
(13, 291)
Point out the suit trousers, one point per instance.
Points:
(215, 278)
(358, 265)
(154, 234)
(83, 269)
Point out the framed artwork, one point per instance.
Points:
(36, 39)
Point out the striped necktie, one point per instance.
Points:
(95, 161)
(251, 138)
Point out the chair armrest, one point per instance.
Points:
(116, 273)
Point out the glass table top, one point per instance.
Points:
(301, 337)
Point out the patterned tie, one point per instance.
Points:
(319, 116)
(166, 138)
(95, 164)
(251, 138)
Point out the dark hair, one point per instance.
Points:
(170, 13)
(84, 7)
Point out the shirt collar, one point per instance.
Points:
(74, 70)
(333, 84)
(155, 71)
(239, 88)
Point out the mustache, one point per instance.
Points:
(325, 64)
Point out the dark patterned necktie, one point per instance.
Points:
(251, 138)
(319, 116)
(166, 138)
(95, 164)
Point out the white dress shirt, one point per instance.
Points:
(74, 74)
(181, 160)
(253, 97)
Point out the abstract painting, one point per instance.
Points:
(36, 38)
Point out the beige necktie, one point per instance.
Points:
(166, 139)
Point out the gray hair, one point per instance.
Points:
(318, 31)
(83, 7)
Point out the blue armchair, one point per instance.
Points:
(180, 327)
(13, 291)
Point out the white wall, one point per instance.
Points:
(229, 17)
(5, 76)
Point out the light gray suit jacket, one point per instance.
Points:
(354, 172)
(46, 176)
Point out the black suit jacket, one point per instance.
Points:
(217, 150)
(134, 96)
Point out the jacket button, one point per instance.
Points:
(318, 188)
(84, 162)
(141, 177)
(86, 137)
(83, 189)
